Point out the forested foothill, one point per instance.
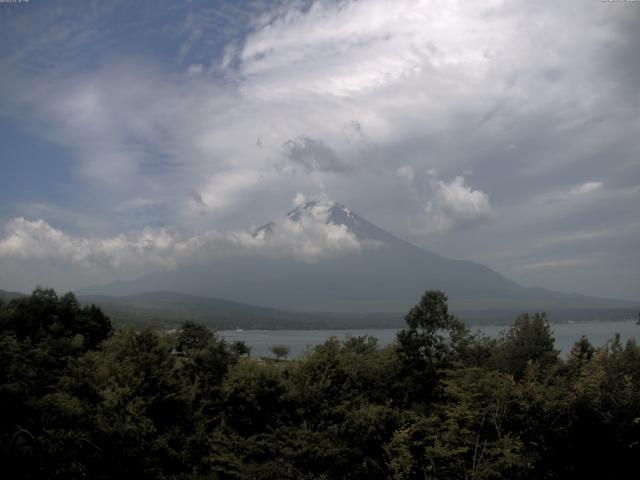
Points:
(82, 400)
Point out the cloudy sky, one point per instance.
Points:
(134, 135)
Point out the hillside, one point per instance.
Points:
(170, 309)
(6, 296)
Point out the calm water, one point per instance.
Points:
(299, 340)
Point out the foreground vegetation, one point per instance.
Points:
(80, 400)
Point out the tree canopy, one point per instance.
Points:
(80, 400)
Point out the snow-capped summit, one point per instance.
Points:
(336, 213)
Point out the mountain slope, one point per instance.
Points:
(171, 309)
(389, 276)
(7, 296)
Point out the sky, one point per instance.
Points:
(137, 136)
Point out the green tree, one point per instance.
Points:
(429, 344)
(256, 397)
(280, 351)
(135, 391)
(45, 315)
(342, 389)
(465, 434)
(193, 336)
(204, 361)
(240, 348)
(528, 340)
(582, 350)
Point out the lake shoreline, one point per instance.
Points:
(299, 340)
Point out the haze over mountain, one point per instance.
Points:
(384, 274)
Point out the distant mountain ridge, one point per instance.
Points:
(170, 309)
(7, 296)
(389, 278)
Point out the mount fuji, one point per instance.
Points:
(387, 274)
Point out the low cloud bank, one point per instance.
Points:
(309, 238)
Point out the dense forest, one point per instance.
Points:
(82, 400)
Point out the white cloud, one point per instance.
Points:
(312, 236)
(195, 69)
(587, 188)
(583, 195)
(352, 48)
(223, 189)
(448, 206)
(309, 238)
(562, 263)
(406, 172)
(456, 205)
(299, 200)
(29, 240)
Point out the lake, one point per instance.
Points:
(298, 341)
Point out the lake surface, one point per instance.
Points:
(298, 341)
